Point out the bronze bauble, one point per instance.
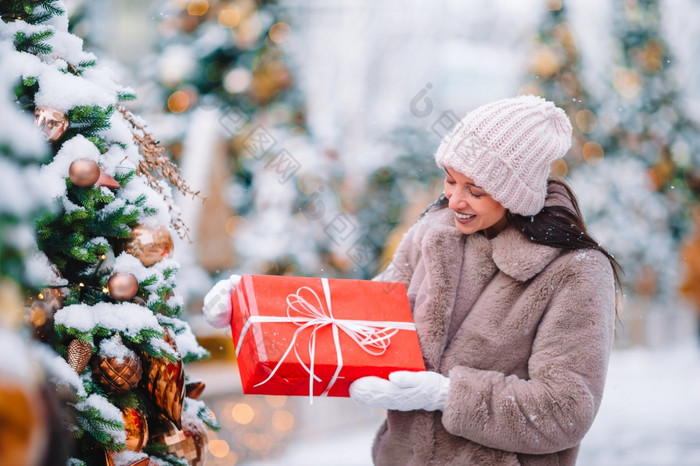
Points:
(52, 122)
(187, 443)
(164, 381)
(84, 172)
(110, 460)
(136, 429)
(149, 244)
(116, 375)
(123, 286)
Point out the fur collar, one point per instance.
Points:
(512, 253)
(518, 257)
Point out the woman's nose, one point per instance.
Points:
(458, 201)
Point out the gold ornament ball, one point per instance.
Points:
(52, 122)
(123, 286)
(150, 245)
(84, 173)
(136, 429)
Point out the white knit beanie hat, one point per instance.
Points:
(507, 147)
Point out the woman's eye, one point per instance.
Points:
(477, 194)
(449, 181)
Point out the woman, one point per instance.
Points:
(514, 304)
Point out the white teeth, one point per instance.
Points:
(463, 216)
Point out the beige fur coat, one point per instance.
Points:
(526, 365)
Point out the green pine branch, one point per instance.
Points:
(34, 43)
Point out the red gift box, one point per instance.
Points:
(302, 336)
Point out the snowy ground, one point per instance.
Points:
(650, 416)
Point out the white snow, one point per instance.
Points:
(14, 363)
(114, 348)
(126, 318)
(41, 271)
(58, 370)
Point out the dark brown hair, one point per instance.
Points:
(559, 225)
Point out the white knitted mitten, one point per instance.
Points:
(404, 391)
(217, 302)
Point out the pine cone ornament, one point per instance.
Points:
(165, 382)
(79, 354)
(116, 374)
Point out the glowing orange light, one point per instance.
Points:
(197, 7)
(219, 448)
(593, 153)
(559, 168)
(282, 420)
(276, 401)
(586, 121)
(178, 102)
(279, 32)
(242, 413)
(229, 18)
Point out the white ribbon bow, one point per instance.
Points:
(373, 337)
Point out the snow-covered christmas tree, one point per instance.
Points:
(105, 283)
(227, 86)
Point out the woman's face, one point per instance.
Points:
(474, 210)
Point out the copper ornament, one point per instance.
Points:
(123, 286)
(194, 389)
(116, 374)
(107, 181)
(84, 172)
(110, 460)
(149, 245)
(187, 444)
(42, 309)
(52, 122)
(136, 428)
(79, 354)
(165, 382)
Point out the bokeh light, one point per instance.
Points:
(229, 17)
(593, 153)
(276, 401)
(282, 420)
(559, 168)
(219, 448)
(627, 82)
(279, 32)
(178, 101)
(237, 80)
(242, 413)
(586, 121)
(197, 7)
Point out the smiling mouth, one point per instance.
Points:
(464, 216)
